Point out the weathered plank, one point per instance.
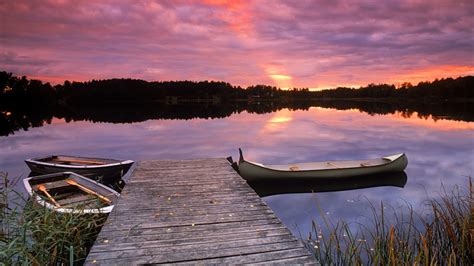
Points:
(191, 208)
(184, 235)
(232, 240)
(185, 253)
(158, 228)
(193, 212)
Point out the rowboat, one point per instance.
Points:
(319, 170)
(271, 187)
(68, 192)
(94, 168)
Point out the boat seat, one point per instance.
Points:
(54, 185)
(365, 164)
(294, 168)
(78, 198)
(76, 162)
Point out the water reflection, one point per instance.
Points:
(13, 120)
(441, 151)
(277, 187)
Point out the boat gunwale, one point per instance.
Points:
(262, 166)
(116, 163)
(50, 206)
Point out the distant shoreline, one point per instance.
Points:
(30, 103)
(322, 99)
(22, 91)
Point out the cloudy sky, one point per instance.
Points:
(315, 44)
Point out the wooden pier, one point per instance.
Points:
(193, 212)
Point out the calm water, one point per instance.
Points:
(439, 151)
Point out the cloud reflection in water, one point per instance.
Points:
(438, 151)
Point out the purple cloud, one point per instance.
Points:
(285, 43)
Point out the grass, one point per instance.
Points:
(441, 235)
(32, 234)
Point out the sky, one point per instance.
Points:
(310, 44)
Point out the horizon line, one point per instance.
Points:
(397, 84)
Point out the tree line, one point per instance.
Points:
(24, 91)
(26, 103)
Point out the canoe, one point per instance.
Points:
(68, 192)
(280, 186)
(95, 168)
(320, 170)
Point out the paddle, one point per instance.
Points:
(43, 189)
(74, 183)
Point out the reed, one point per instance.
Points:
(441, 235)
(32, 234)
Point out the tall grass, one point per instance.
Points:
(32, 234)
(441, 235)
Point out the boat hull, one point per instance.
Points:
(253, 172)
(102, 173)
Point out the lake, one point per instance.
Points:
(440, 150)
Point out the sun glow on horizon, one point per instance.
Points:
(432, 73)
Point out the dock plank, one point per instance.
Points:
(193, 212)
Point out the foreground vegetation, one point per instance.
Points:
(32, 234)
(443, 235)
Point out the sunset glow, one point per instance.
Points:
(310, 44)
(300, 123)
(435, 72)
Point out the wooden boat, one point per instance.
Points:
(319, 170)
(68, 192)
(271, 187)
(94, 168)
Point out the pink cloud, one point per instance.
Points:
(310, 43)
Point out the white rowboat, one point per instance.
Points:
(253, 171)
(71, 193)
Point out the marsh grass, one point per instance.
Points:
(33, 234)
(443, 234)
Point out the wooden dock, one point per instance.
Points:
(193, 212)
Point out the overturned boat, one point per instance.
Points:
(68, 192)
(252, 171)
(94, 168)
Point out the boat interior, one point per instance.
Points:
(69, 160)
(66, 192)
(328, 165)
